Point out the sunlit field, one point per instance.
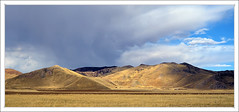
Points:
(119, 100)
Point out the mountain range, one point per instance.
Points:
(148, 77)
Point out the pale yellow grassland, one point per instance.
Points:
(118, 100)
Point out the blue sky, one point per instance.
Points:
(222, 29)
(78, 36)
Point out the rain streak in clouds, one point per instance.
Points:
(77, 36)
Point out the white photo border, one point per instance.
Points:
(218, 109)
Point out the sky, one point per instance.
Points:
(39, 36)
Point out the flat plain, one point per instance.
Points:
(168, 98)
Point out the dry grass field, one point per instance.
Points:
(121, 100)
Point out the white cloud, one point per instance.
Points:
(201, 31)
(205, 41)
(171, 21)
(26, 59)
(222, 65)
(201, 56)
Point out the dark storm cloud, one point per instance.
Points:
(74, 36)
(78, 36)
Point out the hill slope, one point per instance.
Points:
(169, 75)
(55, 77)
(11, 73)
(161, 76)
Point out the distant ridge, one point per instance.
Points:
(83, 69)
(100, 71)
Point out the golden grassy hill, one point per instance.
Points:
(11, 73)
(54, 78)
(167, 75)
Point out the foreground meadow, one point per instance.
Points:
(118, 100)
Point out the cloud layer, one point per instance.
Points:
(201, 31)
(222, 65)
(197, 55)
(76, 36)
(27, 58)
(200, 40)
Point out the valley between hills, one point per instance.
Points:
(162, 85)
